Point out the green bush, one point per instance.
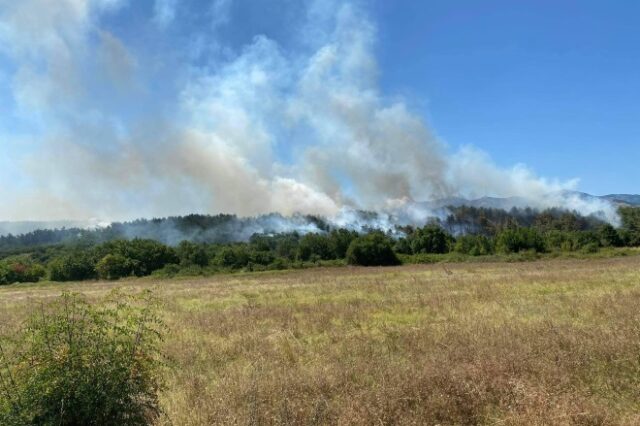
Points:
(73, 267)
(114, 267)
(474, 245)
(233, 257)
(145, 256)
(374, 249)
(169, 271)
(430, 239)
(403, 246)
(315, 247)
(520, 239)
(609, 236)
(21, 270)
(590, 248)
(192, 254)
(630, 230)
(79, 364)
(339, 240)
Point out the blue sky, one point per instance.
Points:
(122, 108)
(553, 84)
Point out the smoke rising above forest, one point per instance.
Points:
(296, 125)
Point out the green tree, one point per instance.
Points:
(630, 229)
(609, 236)
(516, 240)
(145, 256)
(72, 267)
(430, 239)
(339, 240)
(114, 267)
(233, 257)
(315, 247)
(374, 249)
(474, 245)
(192, 254)
(20, 270)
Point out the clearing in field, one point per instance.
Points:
(549, 342)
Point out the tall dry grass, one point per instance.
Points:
(542, 343)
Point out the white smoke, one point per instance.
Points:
(270, 128)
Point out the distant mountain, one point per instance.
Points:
(506, 203)
(23, 227)
(627, 199)
(485, 202)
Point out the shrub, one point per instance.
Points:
(520, 239)
(169, 271)
(559, 240)
(279, 264)
(114, 267)
(609, 236)
(474, 245)
(590, 248)
(192, 254)
(234, 257)
(585, 239)
(74, 267)
(339, 240)
(287, 246)
(315, 247)
(430, 239)
(78, 364)
(145, 256)
(374, 249)
(630, 217)
(20, 271)
(403, 246)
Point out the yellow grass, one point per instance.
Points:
(541, 343)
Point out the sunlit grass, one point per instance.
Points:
(547, 342)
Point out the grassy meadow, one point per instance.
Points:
(550, 342)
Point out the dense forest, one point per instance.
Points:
(200, 244)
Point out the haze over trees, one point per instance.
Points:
(213, 244)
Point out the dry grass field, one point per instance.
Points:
(541, 343)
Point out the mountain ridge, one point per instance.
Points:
(503, 203)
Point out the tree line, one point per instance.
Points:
(487, 234)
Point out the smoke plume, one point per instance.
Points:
(289, 126)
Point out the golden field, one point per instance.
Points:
(553, 342)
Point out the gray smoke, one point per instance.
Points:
(265, 128)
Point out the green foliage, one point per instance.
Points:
(72, 267)
(474, 245)
(287, 246)
(489, 232)
(630, 230)
(144, 256)
(609, 236)
(20, 270)
(591, 247)
(374, 249)
(114, 267)
(559, 241)
(403, 246)
(430, 239)
(315, 247)
(192, 254)
(339, 240)
(520, 239)
(233, 257)
(261, 257)
(80, 364)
